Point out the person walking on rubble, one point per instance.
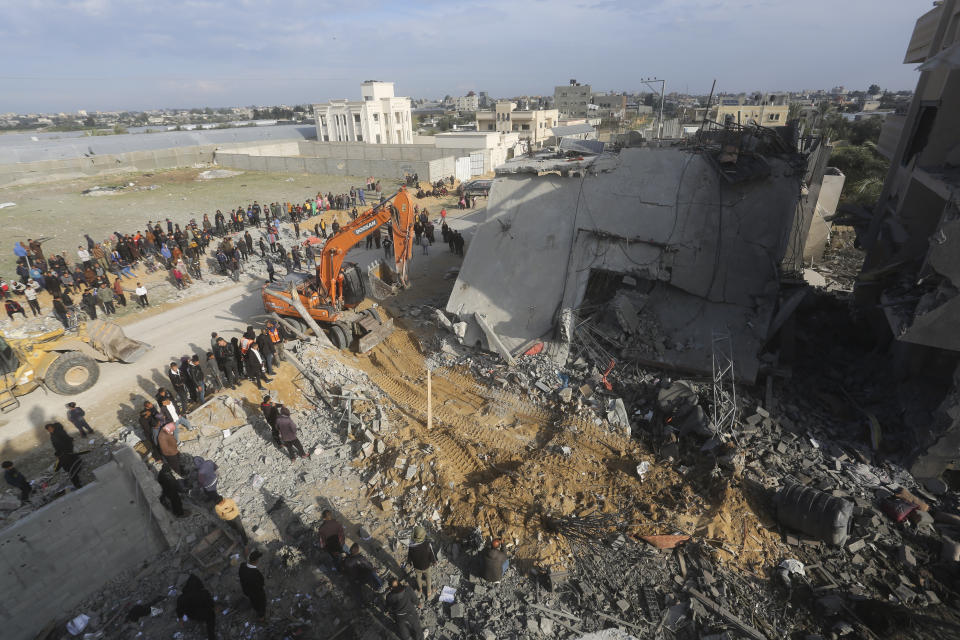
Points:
(195, 603)
(402, 604)
(332, 535)
(17, 480)
(77, 418)
(170, 491)
(421, 557)
(63, 450)
(287, 429)
(251, 583)
(167, 443)
(227, 511)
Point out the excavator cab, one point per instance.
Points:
(354, 288)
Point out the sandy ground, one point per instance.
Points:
(177, 324)
(60, 213)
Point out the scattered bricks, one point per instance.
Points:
(906, 556)
(763, 412)
(386, 505)
(367, 449)
(754, 419)
(854, 547)
(380, 446)
(782, 447)
(456, 610)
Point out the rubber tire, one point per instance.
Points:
(55, 378)
(338, 337)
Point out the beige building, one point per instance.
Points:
(767, 115)
(533, 126)
(379, 118)
(469, 102)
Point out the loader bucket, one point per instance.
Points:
(374, 330)
(109, 339)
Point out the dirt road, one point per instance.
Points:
(182, 330)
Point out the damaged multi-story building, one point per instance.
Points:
(911, 274)
(648, 254)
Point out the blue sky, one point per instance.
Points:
(140, 54)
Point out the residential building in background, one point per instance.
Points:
(469, 102)
(768, 110)
(532, 125)
(572, 99)
(379, 118)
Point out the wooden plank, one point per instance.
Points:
(747, 629)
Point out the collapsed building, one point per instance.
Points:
(908, 288)
(676, 246)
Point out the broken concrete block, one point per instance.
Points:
(493, 339)
(9, 502)
(443, 320)
(489, 635)
(366, 449)
(906, 556)
(532, 625)
(456, 610)
(380, 446)
(543, 387)
(586, 391)
(566, 394)
(546, 626)
(623, 605)
(949, 550)
(854, 547)
(460, 330)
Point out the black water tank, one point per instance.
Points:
(814, 513)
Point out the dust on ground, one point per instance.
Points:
(509, 465)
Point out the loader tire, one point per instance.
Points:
(339, 337)
(72, 373)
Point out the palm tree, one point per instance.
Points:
(823, 108)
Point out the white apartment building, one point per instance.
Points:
(379, 118)
(469, 102)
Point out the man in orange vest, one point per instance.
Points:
(246, 340)
(277, 336)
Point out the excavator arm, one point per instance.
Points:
(398, 210)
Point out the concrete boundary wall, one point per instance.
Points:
(53, 559)
(353, 159)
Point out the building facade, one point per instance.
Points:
(379, 118)
(761, 112)
(532, 125)
(469, 102)
(572, 99)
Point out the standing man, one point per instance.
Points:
(212, 372)
(170, 490)
(31, 295)
(253, 364)
(195, 379)
(277, 337)
(227, 362)
(141, 292)
(17, 480)
(167, 443)
(332, 536)
(251, 582)
(105, 295)
(179, 384)
(267, 350)
(228, 512)
(402, 603)
(270, 413)
(360, 572)
(76, 417)
(421, 557)
(287, 429)
(63, 450)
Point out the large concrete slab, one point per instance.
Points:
(708, 250)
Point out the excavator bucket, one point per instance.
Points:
(108, 338)
(383, 280)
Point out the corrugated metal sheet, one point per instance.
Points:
(67, 148)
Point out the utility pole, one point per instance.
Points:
(663, 89)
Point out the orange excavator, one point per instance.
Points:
(331, 296)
